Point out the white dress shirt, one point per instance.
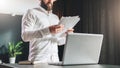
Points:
(35, 30)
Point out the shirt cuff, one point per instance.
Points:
(45, 31)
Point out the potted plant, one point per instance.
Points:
(14, 50)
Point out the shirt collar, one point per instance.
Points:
(45, 11)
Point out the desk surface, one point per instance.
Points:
(53, 66)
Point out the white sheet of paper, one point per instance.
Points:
(68, 22)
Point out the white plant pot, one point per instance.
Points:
(12, 60)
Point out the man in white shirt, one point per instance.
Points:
(39, 26)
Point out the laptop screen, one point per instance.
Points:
(82, 48)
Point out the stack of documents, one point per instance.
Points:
(68, 22)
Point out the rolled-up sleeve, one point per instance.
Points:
(28, 32)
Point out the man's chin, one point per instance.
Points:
(49, 6)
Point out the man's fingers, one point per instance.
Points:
(56, 28)
(59, 26)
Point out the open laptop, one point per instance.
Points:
(81, 48)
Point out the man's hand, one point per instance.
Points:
(56, 28)
(69, 31)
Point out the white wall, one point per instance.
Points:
(17, 6)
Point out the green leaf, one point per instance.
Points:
(13, 49)
(19, 50)
(18, 53)
(18, 44)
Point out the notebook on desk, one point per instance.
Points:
(81, 48)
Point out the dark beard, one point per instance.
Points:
(43, 5)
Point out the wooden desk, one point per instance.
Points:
(53, 66)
